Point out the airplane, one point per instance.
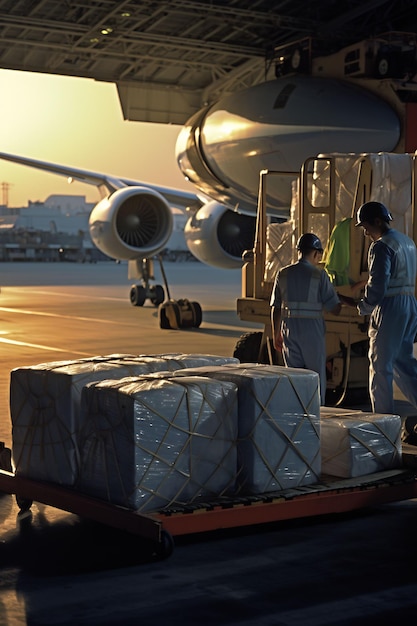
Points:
(274, 125)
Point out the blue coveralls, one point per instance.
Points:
(302, 290)
(389, 299)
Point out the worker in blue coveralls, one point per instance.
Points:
(389, 300)
(301, 292)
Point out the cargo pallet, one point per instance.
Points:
(330, 496)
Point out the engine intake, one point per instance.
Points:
(132, 223)
(218, 236)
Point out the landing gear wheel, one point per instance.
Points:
(157, 295)
(137, 295)
(165, 547)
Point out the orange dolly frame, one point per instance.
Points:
(330, 496)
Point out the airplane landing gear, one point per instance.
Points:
(175, 314)
(139, 293)
(145, 291)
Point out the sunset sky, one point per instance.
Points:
(78, 122)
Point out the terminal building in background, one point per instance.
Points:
(57, 230)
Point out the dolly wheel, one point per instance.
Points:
(198, 314)
(165, 547)
(163, 319)
(24, 504)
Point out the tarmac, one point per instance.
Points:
(342, 569)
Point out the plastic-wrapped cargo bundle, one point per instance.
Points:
(45, 402)
(150, 442)
(357, 443)
(279, 425)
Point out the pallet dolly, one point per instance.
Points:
(328, 497)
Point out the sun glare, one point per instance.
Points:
(77, 122)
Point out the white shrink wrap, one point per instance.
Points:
(355, 443)
(181, 361)
(45, 402)
(279, 425)
(148, 443)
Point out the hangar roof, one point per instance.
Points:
(171, 57)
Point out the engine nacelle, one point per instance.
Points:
(131, 223)
(218, 236)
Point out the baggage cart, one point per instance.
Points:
(331, 495)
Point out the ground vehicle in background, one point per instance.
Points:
(326, 194)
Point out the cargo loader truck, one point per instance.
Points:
(327, 192)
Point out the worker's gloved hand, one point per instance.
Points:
(278, 341)
(360, 285)
(348, 301)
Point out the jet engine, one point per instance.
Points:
(218, 236)
(131, 223)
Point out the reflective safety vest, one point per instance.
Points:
(312, 308)
(402, 281)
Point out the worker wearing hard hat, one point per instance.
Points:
(390, 301)
(301, 292)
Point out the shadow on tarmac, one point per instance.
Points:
(70, 546)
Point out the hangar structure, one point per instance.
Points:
(170, 58)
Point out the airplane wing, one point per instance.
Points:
(134, 221)
(106, 183)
